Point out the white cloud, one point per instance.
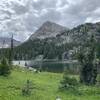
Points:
(23, 17)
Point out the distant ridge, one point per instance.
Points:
(6, 42)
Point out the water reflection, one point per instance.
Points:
(51, 66)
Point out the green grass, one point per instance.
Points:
(46, 87)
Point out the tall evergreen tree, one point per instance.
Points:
(87, 58)
(11, 51)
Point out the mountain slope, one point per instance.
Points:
(48, 29)
(53, 47)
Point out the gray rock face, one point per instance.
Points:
(61, 35)
(48, 29)
(6, 42)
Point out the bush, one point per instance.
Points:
(4, 67)
(68, 83)
(98, 80)
(27, 88)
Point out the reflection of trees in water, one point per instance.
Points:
(52, 66)
(60, 66)
(71, 68)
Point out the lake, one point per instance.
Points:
(51, 66)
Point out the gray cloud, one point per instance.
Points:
(23, 17)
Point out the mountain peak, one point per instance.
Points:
(48, 29)
(48, 22)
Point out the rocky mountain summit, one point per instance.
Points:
(48, 29)
(60, 34)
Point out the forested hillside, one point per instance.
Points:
(53, 47)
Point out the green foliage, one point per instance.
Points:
(98, 80)
(32, 48)
(27, 88)
(87, 59)
(98, 51)
(4, 67)
(68, 83)
(46, 87)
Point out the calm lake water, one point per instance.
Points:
(60, 66)
(51, 66)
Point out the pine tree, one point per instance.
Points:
(87, 58)
(4, 67)
(11, 52)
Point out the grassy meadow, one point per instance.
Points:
(45, 87)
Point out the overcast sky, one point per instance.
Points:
(23, 17)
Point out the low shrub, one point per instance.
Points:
(68, 83)
(4, 67)
(27, 88)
